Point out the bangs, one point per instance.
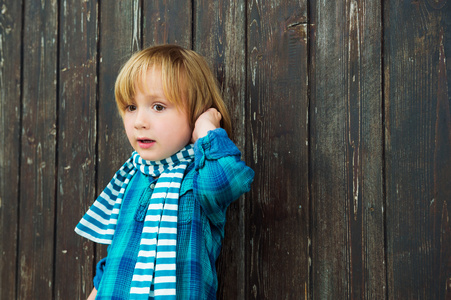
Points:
(125, 87)
(132, 78)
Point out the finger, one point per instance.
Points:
(213, 111)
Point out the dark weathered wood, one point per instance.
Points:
(418, 148)
(76, 145)
(167, 22)
(120, 36)
(277, 143)
(38, 168)
(346, 151)
(220, 37)
(10, 107)
(120, 29)
(340, 143)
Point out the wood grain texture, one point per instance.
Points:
(346, 161)
(220, 37)
(10, 107)
(277, 141)
(76, 145)
(120, 36)
(120, 29)
(167, 22)
(341, 108)
(38, 168)
(418, 148)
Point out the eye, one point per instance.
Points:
(130, 108)
(158, 107)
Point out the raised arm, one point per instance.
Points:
(220, 176)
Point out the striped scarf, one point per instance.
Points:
(157, 250)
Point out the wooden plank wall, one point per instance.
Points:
(417, 95)
(342, 108)
(346, 151)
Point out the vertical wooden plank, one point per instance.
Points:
(10, 106)
(346, 151)
(277, 141)
(418, 147)
(220, 37)
(76, 145)
(167, 22)
(120, 36)
(38, 168)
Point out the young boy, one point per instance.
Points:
(164, 211)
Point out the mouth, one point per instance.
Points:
(145, 143)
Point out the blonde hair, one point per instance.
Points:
(187, 81)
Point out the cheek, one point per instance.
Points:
(128, 127)
(188, 134)
(183, 132)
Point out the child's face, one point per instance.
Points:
(155, 127)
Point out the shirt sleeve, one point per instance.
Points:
(221, 176)
(99, 272)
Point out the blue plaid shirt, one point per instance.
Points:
(215, 179)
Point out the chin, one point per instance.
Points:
(149, 157)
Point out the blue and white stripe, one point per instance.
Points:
(155, 271)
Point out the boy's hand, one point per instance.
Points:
(207, 121)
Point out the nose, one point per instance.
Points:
(142, 119)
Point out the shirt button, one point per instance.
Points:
(152, 186)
